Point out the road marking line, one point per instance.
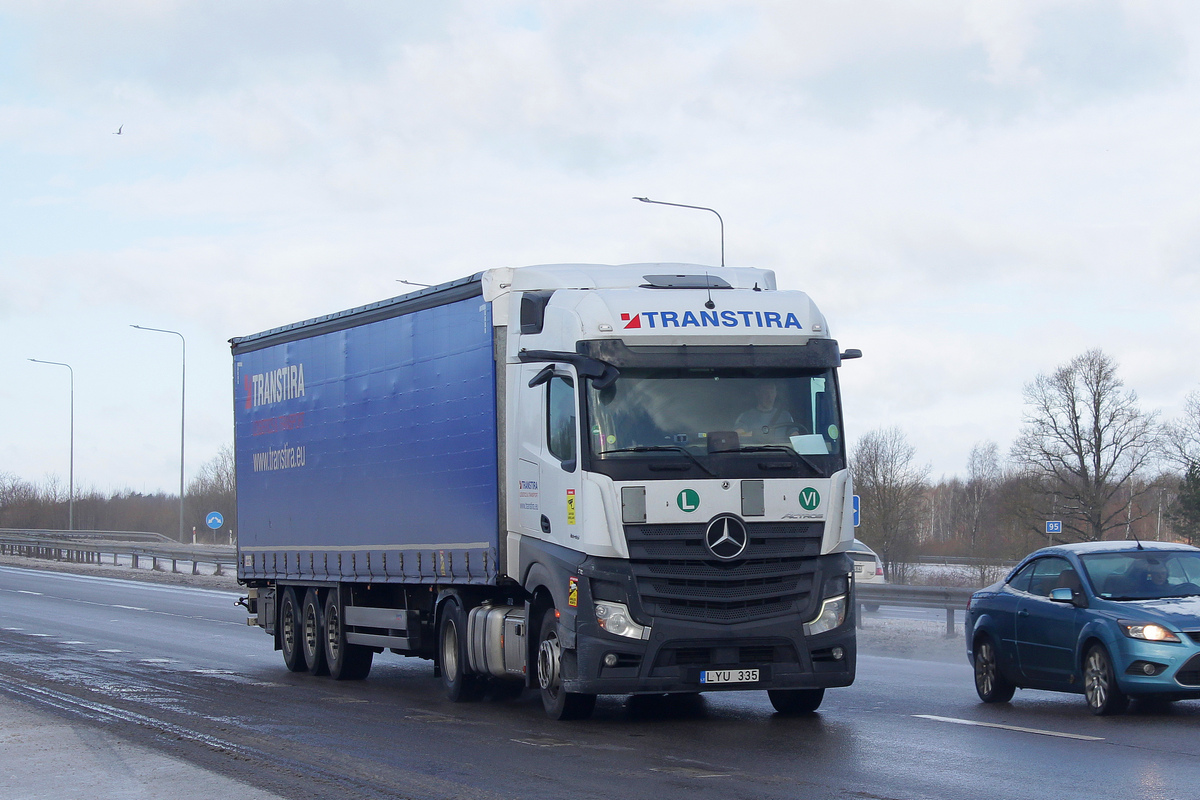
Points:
(22, 591)
(1038, 731)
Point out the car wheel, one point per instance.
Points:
(559, 703)
(990, 683)
(796, 701)
(1100, 688)
(461, 685)
(289, 631)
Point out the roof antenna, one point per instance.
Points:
(709, 304)
(699, 208)
(413, 283)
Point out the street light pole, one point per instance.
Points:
(698, 208)
(71, 484)
(182, 412)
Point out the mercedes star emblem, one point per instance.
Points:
(726, 537)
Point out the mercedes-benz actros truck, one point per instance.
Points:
(581, 479)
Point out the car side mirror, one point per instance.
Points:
(1065, 595)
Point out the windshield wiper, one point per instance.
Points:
(779, 448)
(651, 448)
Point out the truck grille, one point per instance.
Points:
(772, 652)
(677, 577)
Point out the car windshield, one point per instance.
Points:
(708, 411)
(1144, 574)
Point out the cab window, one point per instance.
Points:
(560, 433)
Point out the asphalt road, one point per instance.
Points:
(175, 671)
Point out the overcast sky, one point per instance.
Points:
(972, 192)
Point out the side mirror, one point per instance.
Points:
(1072, 596)
(1062, 595)
(546, 374)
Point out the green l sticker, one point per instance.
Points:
(688, 500)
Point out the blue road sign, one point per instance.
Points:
(214, 520)
(1053, 526)
(856, 514)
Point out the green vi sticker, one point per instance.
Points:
(810, 498)
(688, 500)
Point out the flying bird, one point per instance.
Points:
(117, 132)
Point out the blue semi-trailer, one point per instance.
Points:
(567, 477)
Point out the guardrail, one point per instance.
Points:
(947, 598)
(79, 549)
(85, 536)
(967, 561)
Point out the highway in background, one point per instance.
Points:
(176, 670)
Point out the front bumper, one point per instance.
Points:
(676, 654)
(1179, 677)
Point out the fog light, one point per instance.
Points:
(610, 660)
(1145, 668)
(838, 652)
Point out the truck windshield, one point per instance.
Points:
(705, 412)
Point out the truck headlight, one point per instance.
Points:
(615, 618)
(833, 614)
(1148, 631)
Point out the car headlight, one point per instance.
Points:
(833, 614)
(1148, 631)
(615, 618)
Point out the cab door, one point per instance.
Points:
(548, 466)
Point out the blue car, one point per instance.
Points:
(1110, 620)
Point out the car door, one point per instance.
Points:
(1046, 631)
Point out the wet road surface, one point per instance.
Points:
(177, 670)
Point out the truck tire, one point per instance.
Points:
(796, 701)
(461, 685)
(346, 662)
(290, 626)
(559, 703)
(312, 633)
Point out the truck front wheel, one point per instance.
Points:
(796, 701)
(461, 685)
(559, 703)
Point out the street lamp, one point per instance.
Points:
(71, 485)
(698, 208)
(182, 410)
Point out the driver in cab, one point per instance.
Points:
(767, 421)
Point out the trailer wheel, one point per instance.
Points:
(461, 685)
(312, 633)
(289, 631)
(559, 703)
(347, 662)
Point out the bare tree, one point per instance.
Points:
(214, 489)
(892, 489)
(983, 480)
(1084, 439)
(1181, 437)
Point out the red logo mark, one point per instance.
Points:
(634, 321)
